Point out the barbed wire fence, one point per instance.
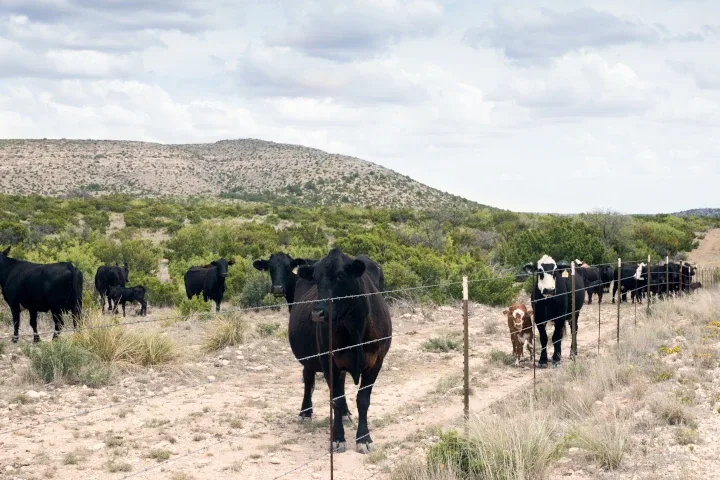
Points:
(706, 275)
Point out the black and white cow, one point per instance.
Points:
(552, 302)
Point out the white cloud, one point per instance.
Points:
(603, 96)
(351, 29)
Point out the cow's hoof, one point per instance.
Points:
(15, 338)
(542, 365)
(556, 364)
(304, 419)
(364, 448)
(36, 338)
(338, 447)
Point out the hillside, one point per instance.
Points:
(700, 212)
(246, 169)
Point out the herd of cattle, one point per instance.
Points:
(552, 302)
(336, 290)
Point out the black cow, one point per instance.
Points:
(633, 279)
(208, 280)
(35, 287)
(607, 276)
(107, 277)
(658, 280)
(122, 295)
(283, 274)
(592, 280)
(551, 302)
(355, 320)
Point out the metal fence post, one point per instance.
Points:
(535, 334)
(649, 280)
(330, 366)
(573, 345)
(598, 328)
(466, 349)
(680, 292)
(667, 277)
(619, 298)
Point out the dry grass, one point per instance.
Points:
(607, 441)
(119, 346)
(226, 331)
(671, 411)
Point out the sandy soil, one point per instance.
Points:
(708, 252)
(235, 411)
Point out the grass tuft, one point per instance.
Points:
(61, 361)
(607, 442)
(226, 331)
(443, 344)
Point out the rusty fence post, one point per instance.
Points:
(619, 298)
(466, 354)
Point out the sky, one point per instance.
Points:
(538, 106)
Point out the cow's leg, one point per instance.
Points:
(590, 294)
(542, 333)
(143, 307)
(342, 401)
(33, 325)
(600, 295)
(58, 322)
(614, 292)
(557, 340)
(15, 310)
(123, 306)
(363, 441)
(338, 445)
(217, 306)
(309, 381)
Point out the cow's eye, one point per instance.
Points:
(341, 275)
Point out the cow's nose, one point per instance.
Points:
(277, 290)
(548, 291)
(318, 315)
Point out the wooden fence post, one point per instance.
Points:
(619, 298)
(667, 277)
(466, 354)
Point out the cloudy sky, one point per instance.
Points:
(563, 105)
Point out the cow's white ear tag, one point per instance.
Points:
(295, 270)
(565, 274)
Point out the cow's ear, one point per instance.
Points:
(306, 272)
(528, 268)
(505, 312)
(231, 262)
(6, 252)
(357, 268)
(261, 265)
(530, 312)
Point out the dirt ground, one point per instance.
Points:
(235, 411)
(708, 252)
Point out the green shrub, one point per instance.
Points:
(195, 305)
(255, 290)
(62, 361)
(458, 453)
(159, 294)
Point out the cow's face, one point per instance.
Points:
(545, 269)
(336, 275)
(115, 292)
(3, 258)
(640, 272)
(518, 315)
(222, 266)
(283, 271)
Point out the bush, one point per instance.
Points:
(195, 305)
(226, 331)
(160, 294)
(62, 361)
(255, 290)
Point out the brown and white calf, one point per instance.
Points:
(521, 330)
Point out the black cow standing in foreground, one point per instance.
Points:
(35, 287)
(208, 280)
(107, 277)
(552, 303)
(355, 320)
(283, 274)
(607, 277)
(122, 295)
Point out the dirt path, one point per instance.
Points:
(235, 411)
(708, 252)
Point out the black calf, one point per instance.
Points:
(122, 295)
